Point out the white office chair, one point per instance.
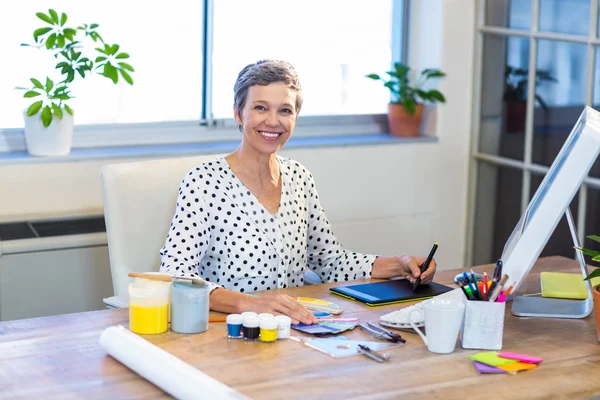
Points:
(139, 202)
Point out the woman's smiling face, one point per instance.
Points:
(268, 117)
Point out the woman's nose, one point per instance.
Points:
(272, 119)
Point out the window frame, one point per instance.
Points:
(210, 130)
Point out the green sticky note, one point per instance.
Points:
(491, 358)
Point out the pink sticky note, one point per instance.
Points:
(520, 357)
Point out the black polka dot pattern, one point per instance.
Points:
(222, 233)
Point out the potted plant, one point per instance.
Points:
(515, 96)
(49, 119)
(596, 273)
(405, 110)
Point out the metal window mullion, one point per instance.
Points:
(581, 212)
(207, 70)
(563, 37)
(400, 30)
(529, 121)
(475, 132)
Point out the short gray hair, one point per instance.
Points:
(265, 72)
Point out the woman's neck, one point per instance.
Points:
(262, 167)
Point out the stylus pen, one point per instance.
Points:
(425, 265)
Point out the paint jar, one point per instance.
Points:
(283, 326)
(249, 314)
(189, 307)
(234, 326)
(268, 330)
(148, 306)
(251, 328)
(265, 315)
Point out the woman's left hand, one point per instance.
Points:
(408, 267)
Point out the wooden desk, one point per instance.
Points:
(59, 357)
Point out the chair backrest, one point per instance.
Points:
(139, 203)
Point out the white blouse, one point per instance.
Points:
(222, 233)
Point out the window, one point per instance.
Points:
(333, 44)
(558, 40)
(165, 44)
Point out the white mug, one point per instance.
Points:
(443, 318)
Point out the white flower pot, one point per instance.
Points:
(53, 141)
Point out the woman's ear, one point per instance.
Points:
(237, 116)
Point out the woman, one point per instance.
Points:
(252, 220)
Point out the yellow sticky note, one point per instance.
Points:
(562, 285)
(516, 367)
(491, 358)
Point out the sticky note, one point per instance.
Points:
(488, 369)
(491, 358)
(516, 367)
(520, 357)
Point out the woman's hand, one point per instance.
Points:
(280, 304)
(408, 267)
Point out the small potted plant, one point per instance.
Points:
(405, 110)
(515, 96)
(595, 273)
(49, 119)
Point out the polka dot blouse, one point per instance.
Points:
(222, 233)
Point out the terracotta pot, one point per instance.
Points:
(401, 123)
(596, 295)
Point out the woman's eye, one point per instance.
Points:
(260, 108)
(287, 111)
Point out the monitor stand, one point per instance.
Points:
(525, 306)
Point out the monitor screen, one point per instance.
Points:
(550, 201)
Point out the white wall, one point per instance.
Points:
(386, 199)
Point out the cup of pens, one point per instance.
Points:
(483, 324)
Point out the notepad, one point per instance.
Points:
(563, 285)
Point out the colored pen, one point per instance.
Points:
(498, 270)
(425, 265)
(477, 292)
(507, 292)
(498, 288)
(485, 286)
(465, 291)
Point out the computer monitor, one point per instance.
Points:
(552, 198)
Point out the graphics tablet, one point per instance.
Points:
(386, 292)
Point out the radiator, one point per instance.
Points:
(53, 267)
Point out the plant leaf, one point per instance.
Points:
(37, 83)
(593, 275)
(31, 93)
(63, 20)
(100, 59)
(126, 76)
(34, 108)
(51, 40)
(70, 33)
(436, 95)
(93, 26)
(594, 237)
(60, 41)
(111, 72)
(49, 85)
(57, 111)
(46, 116)
(54, 16)
(68, 109)
(597, 258)
(410, 106)
(44, 18)
(372, 76)
(81, 72)
(126, 66)
(114, 49)
(40, 32)
(122, 56)
(591, 253)
(101, 51)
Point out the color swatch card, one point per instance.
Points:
(491, 358)
(520, 357)
(328, 325)
(491, 362)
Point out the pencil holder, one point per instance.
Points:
(483, 325)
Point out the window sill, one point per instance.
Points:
(190, 149)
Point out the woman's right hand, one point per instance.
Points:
(281, 304)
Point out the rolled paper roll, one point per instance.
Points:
(171, 374)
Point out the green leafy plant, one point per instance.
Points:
(516, 81)
(410, 94)
(67, 46)
(592, 253)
